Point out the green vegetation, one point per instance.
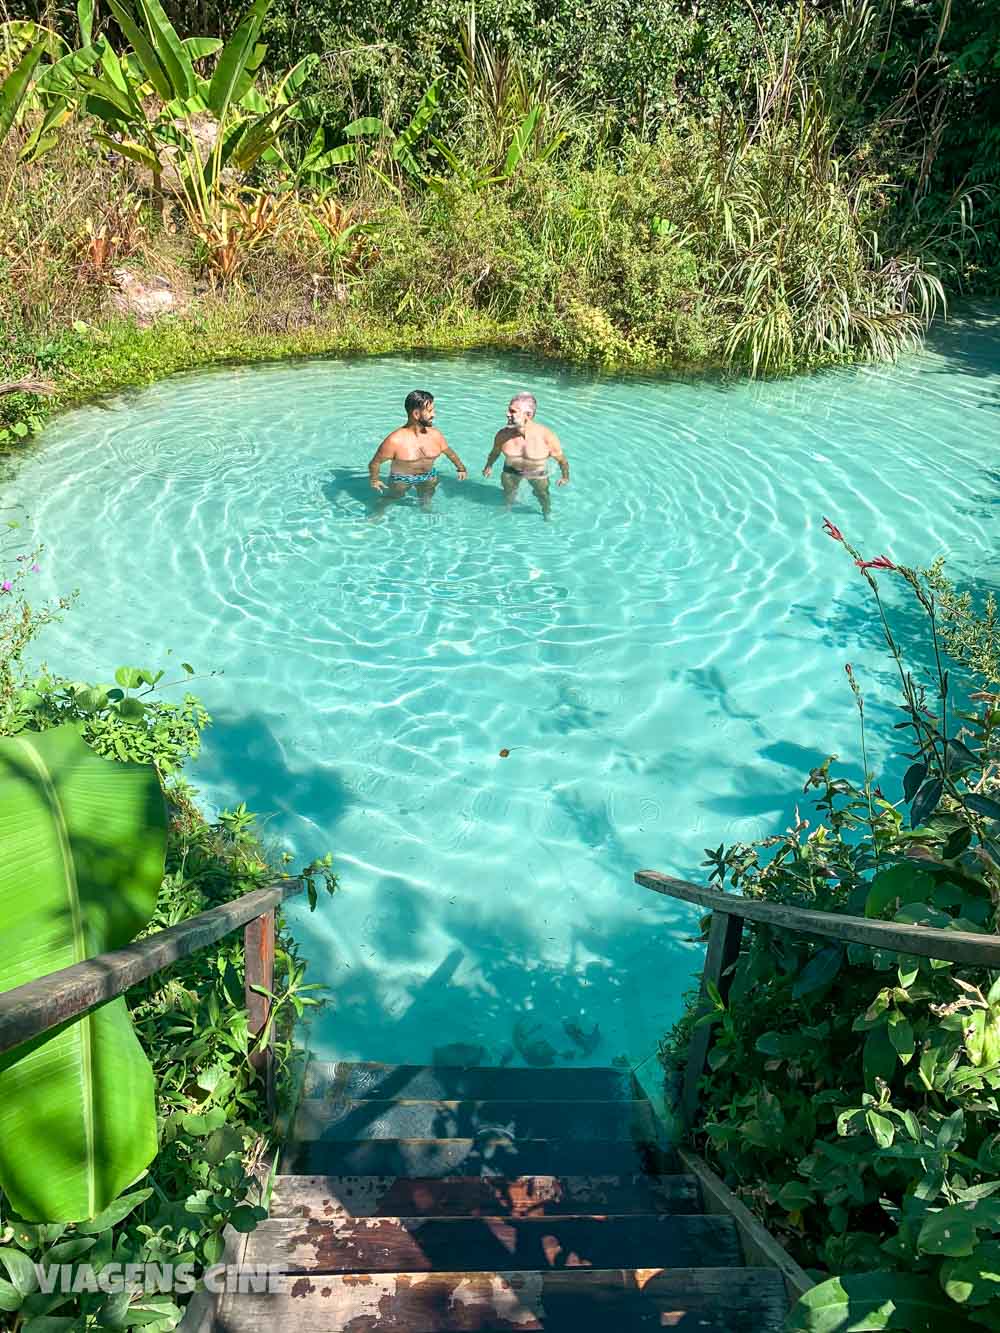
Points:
(211, 1128)
(83, 863)
(649, 185)
(853, 1093)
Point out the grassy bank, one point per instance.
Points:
(92, 360)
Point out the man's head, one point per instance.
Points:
(420, 407)
(521, 409)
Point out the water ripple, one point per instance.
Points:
(493, 720)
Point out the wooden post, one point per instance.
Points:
(724, 937)
(258, 937)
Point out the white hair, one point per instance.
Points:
(529, 401)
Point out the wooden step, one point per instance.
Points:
(348, 1118)
(451, 1083)
(491, 1244)
(704, 1300)
(474, 1196)
(487, 1155)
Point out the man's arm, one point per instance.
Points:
(384, 452)
(495, 453)
(555, 451)
(452, 457)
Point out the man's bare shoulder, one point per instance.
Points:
(505, 433)
(396, 436)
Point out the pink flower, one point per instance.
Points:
(6, 586)
(832, 530)
(36, 569)
(880, 562)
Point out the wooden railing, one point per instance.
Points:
(30, 1010)
(730, 910)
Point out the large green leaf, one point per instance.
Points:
(903, 883)
(169, 47)
(955, 1230)
(15, 87)
(523, 135)
(82, 843)
(859, 1302)
(149, 58)
(422, 117)
(236, 55)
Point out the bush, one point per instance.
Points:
(213, 1125)
(852, 1098)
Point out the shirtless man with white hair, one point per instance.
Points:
(526, 446)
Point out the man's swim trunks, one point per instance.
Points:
(537, 473)
(407, 480)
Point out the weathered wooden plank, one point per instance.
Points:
(28, 1011)
(705, 1300)
(258, 955)
(492, 1244)
(476, 1196)
(758, 1245)
(959, 946)
(723, 950)
(330, 1118)
(454, 1083)
(487, 1155)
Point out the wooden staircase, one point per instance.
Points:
(426, 1199)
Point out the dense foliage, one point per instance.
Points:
(213, 1127)
(651, 184)
(852, 1093)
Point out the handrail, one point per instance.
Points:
(30, 1010)
(730, 910)
(957, 946)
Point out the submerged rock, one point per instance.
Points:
(459, 1053)
(533, 1051)
(587, 1041)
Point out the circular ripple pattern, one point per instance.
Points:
(192, 446)
(491, 720)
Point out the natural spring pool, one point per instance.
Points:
(663, 660)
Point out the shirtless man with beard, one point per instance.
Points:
(526, 446)
(411, 451)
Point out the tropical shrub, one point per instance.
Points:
(212, 1127)
(852, 1093)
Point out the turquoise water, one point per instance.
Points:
(663, 660)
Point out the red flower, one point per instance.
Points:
(832, 530)
(880, 562)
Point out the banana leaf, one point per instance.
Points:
(365, 125)
(85, 18)
(42, 137)
(169, 47)
(15, 87)
(236, 56)
(522, 138)
(148, 57)
(422, 117)
(200, 47)
(58, 79)
(82, 843)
